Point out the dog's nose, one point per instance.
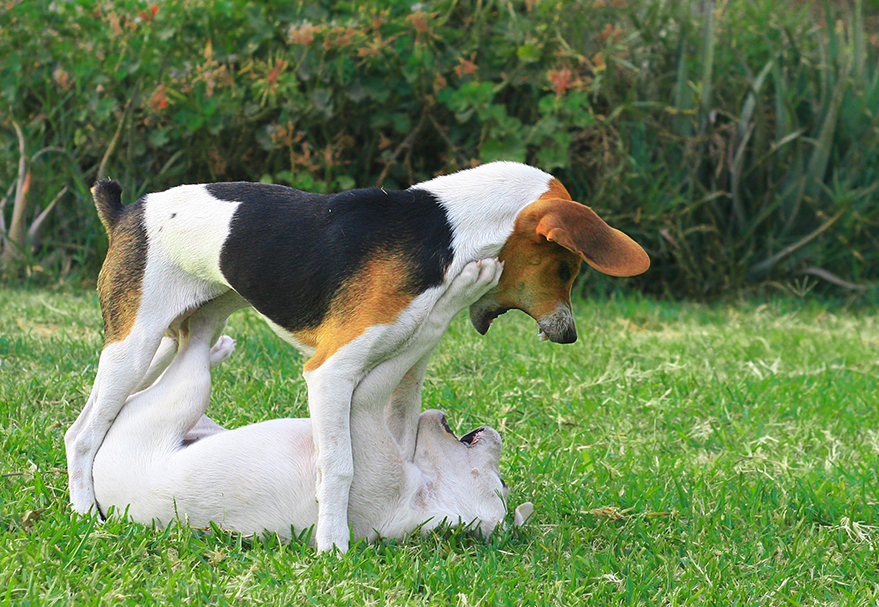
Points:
(559, 327)
(559, 332)
(567, 336)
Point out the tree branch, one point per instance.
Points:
(14, 239)
(35, 232)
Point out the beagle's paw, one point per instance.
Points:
(222, 350)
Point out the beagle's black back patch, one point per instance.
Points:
(288, 252)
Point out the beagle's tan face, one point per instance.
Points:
(542, 257)
(537, 279)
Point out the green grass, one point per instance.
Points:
(676, 454)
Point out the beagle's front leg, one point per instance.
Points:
(404, 404)
(329, 407)
(331, 387)
(334, 383)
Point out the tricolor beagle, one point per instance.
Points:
(347, 278)
(162, 459)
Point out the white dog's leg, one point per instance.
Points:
(168, 350)
(476, 279)
(162, 358)
(205, 426)
(153, 421)
(174, 405)
(373, 401)
(202, 329)
(186, 385)
(221, 350)
(404, 406)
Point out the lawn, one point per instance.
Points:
(676, 454)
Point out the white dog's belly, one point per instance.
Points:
(253, 479)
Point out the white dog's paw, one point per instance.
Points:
(336, 540)
(222, 350)
(523, 514)
(475, 280)
(82, 499)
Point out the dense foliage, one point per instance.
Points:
(737, 141)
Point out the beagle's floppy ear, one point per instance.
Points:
(577, 228)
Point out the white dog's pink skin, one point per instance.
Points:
(162, 459)
(347, 278)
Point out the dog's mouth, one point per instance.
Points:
(481, 316)
(471, 438)
(558, 327)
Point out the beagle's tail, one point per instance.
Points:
(108, 201)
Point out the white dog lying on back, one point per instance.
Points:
(162, 459)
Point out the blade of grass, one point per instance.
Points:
(707, 59)
(745, 128)
(767, 264)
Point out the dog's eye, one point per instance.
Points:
(565, 272)
(445, 425)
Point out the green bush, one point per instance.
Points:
(737, 141)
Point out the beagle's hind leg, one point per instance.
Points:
(121, 368)
(124, 364)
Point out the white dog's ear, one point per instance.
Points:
(523, 513)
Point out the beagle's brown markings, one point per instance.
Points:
(120, 280)
(376, 295)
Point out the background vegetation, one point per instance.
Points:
(738, 141)
(679, 454)
(685, 455)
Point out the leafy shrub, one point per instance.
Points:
(736, 140)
